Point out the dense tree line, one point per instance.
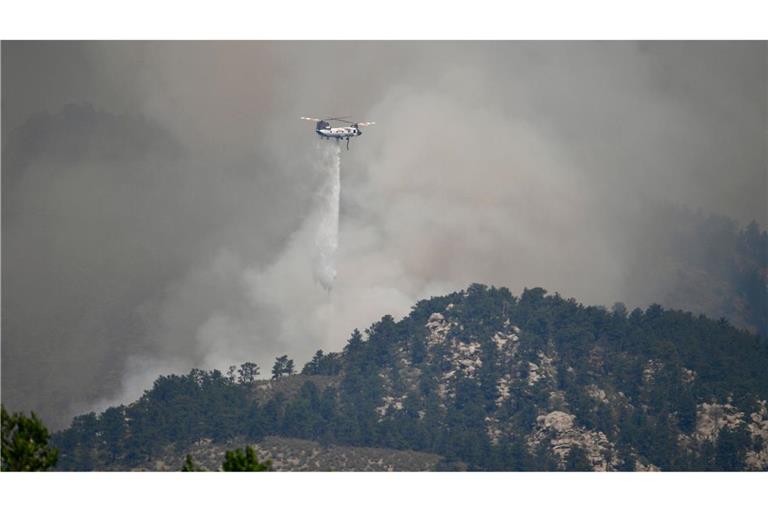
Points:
(726, 265)
(590, 346)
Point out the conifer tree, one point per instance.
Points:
(25, 443)
(237, 460)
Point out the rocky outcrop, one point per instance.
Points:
(459, 356)
(712, 418)
(463, 358)
(577, 388)
(757, 459)
(438, 329)
(639, 466)
(597, 394)
(395, 403)
(558, 429)
(652, 367)
(544, 369)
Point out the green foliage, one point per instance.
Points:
(237, 460)
(591, 347)
(179, 409)
(731, 448)
(248, 373)
(323, 364)
(282, 367)
(191, 466)
(577, 460)
(25, 443)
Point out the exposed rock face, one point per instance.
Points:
(557, 420)
(688, 376)
(576, 388)
(395, 403)
(522, 372)
(438, 329)
(758, 429)
(502, 387)
(493, 429)
(507, 341)
(652, 367)
(460, 357)
(463, 357)
(597, 393)
(558, 429)
(639, 466)
(712, 418)
(544, 369)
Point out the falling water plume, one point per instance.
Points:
(327, 237)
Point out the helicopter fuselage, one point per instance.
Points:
(324, 129)
(342, 132)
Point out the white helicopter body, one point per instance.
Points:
(324, 129)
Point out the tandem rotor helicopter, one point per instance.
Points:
(324, 129)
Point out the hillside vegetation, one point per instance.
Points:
(485, 380)
(705, 264)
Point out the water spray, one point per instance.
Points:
(327, 235)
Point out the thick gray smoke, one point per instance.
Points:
(164, 208)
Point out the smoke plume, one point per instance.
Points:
(164, 208)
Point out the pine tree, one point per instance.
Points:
(25, 443)
(248, 372)
(237, 460)
(282, 367)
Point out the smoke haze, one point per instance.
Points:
(164, 208)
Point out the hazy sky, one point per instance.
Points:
(157, 197)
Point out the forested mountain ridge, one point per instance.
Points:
(486, 380)
(702, 263)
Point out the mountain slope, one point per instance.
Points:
(702, 263)
(488, 381)
(291, 454)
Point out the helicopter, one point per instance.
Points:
(324, 129)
